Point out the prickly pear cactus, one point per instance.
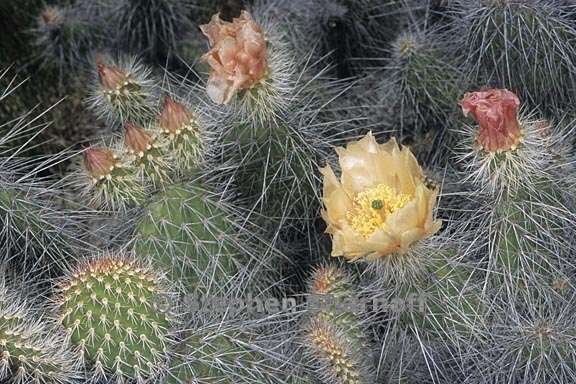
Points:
(187, 231)
(427, 144)
(334, 337)
(112, 309)
(32, 348)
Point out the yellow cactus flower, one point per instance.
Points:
(381, 204)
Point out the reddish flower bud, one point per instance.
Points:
(137, 139)
(51, 16)
(111, 77)
(496, 111)
(99, 161)
(174, 116)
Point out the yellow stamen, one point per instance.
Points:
(371, 208)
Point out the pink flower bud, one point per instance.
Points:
(110, 77)
(496, 112)
(237, 58)
(137, 139)
(174, 116)
(99, 161)
(51, 16)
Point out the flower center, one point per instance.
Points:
(371, 208)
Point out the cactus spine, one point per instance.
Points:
(32, 349)
(111, 309)
(334, 337)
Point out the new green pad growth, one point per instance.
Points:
(110, 310)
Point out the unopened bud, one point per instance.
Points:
(99, 161)
(110, 77)
(51, 16)
(137, 139)
(174, 116)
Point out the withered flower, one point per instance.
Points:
(237, 58)
(496, 112)
(51, 16)
(111, 77)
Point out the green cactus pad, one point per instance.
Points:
(335, 339)
(109, 308)
(188, 233)
(221, 358)
(29, 350)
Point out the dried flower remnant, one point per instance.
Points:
(147, 154)
(496, 112)
(238, 56)
(381, 204)
(110, 179)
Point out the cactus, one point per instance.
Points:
(268, 138)
(530, 341)
(123, 90)
(223, 356)
(110, 180)
(41, 230)
(32, 348)
(112, 310)
(184, 133)
(188, 232)
(334, 339)
(521, 45)
(522, 195)
(65, 37)
(417, 88)
(345, 34)
(150, 27)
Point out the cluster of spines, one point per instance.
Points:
(112, 310)
(521, 45)
(152, 27)
(190, 235)
(343, 33)
(419, 86)
(224, 354)
(170, 147)
(530, 339)
(39, 233)
(65, 37)
(334, 339)
(32, 349)
(124, 90)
